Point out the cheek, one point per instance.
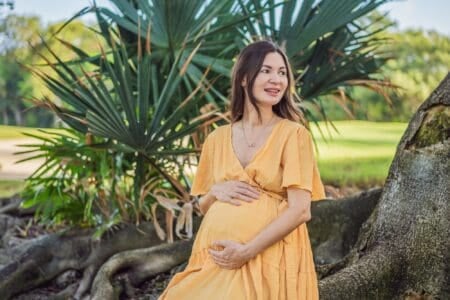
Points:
(284, 84)
(259, 84)
(261, 79)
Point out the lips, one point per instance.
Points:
(272, 91)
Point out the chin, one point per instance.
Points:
(272, 101)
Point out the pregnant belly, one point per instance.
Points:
(239, 223)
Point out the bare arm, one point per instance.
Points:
(297, 213)
(205, 202)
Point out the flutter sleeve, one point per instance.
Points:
(204, 179)
(299, 165)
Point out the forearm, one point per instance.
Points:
(285, 223)
(205, 202)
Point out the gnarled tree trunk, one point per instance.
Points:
(403, 248)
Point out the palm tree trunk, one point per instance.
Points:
(138, 183)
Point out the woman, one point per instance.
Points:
(257, 176)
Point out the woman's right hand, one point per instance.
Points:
(234, 191)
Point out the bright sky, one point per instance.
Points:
(426, 14)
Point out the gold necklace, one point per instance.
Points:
(253, 145)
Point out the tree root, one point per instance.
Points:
(11, 206)
(67, 293)
(143, 263)
(335, 224)
(74, 249)
(368, 278)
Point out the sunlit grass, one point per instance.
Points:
(10, 187)
(360, 154)
(17, 132)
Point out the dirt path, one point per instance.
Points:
(8, 168)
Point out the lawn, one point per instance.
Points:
(10, 187)
(16, 132)
(359, 154)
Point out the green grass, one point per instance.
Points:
(360, 154)
(10, 187)
(16, 132)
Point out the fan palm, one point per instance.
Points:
(165, 58)
(123, 105)
(327, 45)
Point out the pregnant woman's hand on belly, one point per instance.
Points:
(234, 191)
(231, 255)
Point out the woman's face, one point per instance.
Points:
(272, 80)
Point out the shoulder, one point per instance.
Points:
(292, 127)
(218, 133)
(293, 124)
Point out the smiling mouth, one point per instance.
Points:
(272, 92)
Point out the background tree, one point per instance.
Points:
(419, 61)
(18, 34)
(422, 60)
(15, 32)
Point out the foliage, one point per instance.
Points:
(17, 34)
(328, 44)
(14, 32)
(419, 61)
(123, 114)
(422, 61)
(80, 179)
(153, 92)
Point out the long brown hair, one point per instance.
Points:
(247, 66)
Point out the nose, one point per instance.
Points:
(275, 78)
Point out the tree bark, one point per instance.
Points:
(403, 248)
(143, 262)
(335, 225)
(73, 250)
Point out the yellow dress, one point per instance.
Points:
(285, 270)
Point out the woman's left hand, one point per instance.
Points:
(232, 255)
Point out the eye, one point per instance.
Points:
(265, 71)
(283, 73)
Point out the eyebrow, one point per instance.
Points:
(267, 66)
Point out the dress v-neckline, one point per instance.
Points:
(258, 152)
